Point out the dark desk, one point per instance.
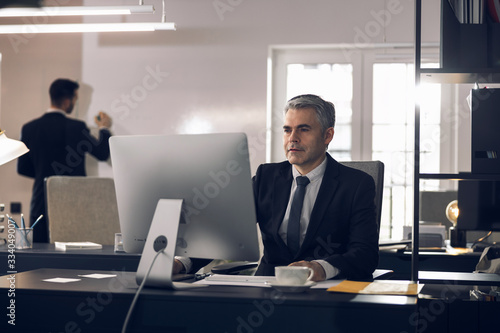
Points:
(44, 255)
(400, 262)
(92, 305)
(476, 279)
(449, 309)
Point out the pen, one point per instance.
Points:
(38, 219)
(22, 221)
(23, 232)
(12, 220)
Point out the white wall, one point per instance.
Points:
(213, 68)
(29, 64)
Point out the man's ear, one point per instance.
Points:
(329, 135)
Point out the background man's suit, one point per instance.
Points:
(342, 229)
(57, 147)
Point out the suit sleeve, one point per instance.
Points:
(361, 256)
(100, 146)
(25, 165)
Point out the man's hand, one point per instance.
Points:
(103, 120)
(178, 267)
(318, 271)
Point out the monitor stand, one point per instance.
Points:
(162, 236)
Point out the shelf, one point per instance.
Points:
(456, 75)
(468, 55)
(460, 176)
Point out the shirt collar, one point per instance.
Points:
(53, 110)
(313, 175)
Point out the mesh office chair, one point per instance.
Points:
(82, 209)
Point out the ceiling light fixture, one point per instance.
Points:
(83, 27)
(76, 11)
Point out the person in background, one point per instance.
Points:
(58, 145)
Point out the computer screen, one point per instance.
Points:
(479, 205)
(210, 172)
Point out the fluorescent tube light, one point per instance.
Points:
(76, 11)
(84, 27)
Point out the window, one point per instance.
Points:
(393, 139)
(333, 82)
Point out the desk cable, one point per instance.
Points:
(132, 305)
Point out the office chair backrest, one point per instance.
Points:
(376, 170)
(82, 209)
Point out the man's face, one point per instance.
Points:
(303, 140)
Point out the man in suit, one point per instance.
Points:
(338, 232)
(58, 145)
(335, 232)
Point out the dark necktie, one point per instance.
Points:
(293, 231)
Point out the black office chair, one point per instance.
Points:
(376, 170)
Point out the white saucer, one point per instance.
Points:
(291, 288)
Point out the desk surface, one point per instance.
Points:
(44, 255)
(100, 305)
(400, 262)
(480, 279)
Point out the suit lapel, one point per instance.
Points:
(325, 196)
(282, 186)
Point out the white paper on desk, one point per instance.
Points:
(61, 280)
(390, 287)
(237, 280)
(98, 276)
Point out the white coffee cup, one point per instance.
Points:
(293, 275)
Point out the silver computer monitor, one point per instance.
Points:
(209, 172)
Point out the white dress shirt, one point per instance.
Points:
(52, 110)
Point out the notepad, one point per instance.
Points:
(67, 246)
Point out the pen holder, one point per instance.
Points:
(24, 238)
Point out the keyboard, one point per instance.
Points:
(240, 278)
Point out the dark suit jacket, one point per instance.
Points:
(342, 229)
(57, 147)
